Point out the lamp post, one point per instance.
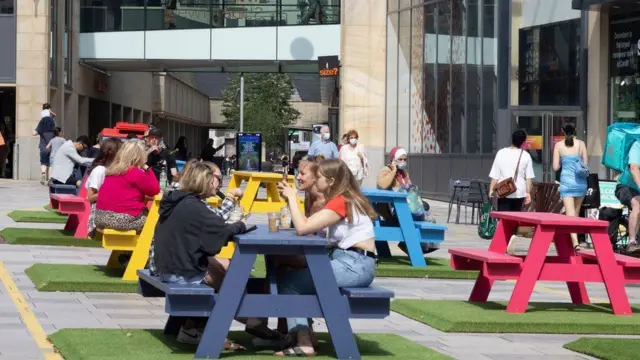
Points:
(241, 102)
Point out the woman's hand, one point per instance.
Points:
(287, 191)
(527, 199)
(393, 166)
(235, 194)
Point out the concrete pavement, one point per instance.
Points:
(56, 311)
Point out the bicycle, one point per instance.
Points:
(618, 228)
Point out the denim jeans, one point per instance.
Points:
(350, 269)
(177, 279)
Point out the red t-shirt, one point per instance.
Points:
(125, 194)
(338, 205)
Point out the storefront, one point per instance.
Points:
(441, 88)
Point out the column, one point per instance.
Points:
(598, 83)
(362, 76)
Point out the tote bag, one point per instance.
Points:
(592, 196)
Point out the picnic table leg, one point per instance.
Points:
(612, 274)
(226, 305)
(81, 231)
(113, 262)
(531, 268)
(483, 285)
(334, 306)
(72, 223)
(409, 232)
(383, 250)
(273, 195)
(250, 194)
(577, 290)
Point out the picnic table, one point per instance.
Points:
(404, 229)
(335, 305)
(77, 208)
(567, 266)
(250, 201)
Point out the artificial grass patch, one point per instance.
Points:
(437, 268)
(37, 216)
(607, 348)
(79, 278)
(107, 344)
(23, 236)
(48, 208)
(544, 318)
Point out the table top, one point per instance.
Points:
(262, 236)
(262, 175)
(383, 193)
(544, 218)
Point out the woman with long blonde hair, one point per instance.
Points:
(348, 215)
(128, 182)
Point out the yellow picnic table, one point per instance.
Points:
(249, 201)
(123, 242)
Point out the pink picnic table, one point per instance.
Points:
(567, 266)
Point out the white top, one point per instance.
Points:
(66, 158)
(45, 113)
(504, 167)
(96, 178)
(349, 155)
(344, 234)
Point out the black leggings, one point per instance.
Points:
(510, 204)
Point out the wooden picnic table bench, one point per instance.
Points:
(404, 228)
(77, 208)
(335, 305)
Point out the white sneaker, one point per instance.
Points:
(511, 247)
(191, 336)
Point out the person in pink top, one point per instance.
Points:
(128, 182)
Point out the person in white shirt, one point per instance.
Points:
(66, 159)
(46, 111)
(97, 172)
(355, 156)
(504, 166)
(348, 215)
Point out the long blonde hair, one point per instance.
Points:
(131, 154)
(345, 184)
(198, 178)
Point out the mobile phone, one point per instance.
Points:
(284, 176)
(250, 229)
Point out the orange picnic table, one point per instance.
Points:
(601, 266)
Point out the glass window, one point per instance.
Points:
(403, 4)
(430, 143)
(489, 77)
(68, 38)
(624, 68)
(392, 5)
(392, 81)
(53, 46)
(443, 80)
(6, 7)
(473, 118)
(417, 106)
(458, 75)
(404, 79)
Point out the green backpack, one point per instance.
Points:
(487, 225)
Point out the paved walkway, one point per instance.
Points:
(55, 311)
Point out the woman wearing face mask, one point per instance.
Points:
(355, 157)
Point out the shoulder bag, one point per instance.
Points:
(507, 186)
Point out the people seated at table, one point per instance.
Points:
(122, 198)
(190, 234)
(66, 159)
(348, 215)
(395, 176)
(314, 200)
(96, 175)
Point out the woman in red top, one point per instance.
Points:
(122, 197)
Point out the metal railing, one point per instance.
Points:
(140, 15)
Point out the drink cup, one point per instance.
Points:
(273, 221)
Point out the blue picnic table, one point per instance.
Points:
(328, 302)
(405, 229)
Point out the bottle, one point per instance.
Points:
(285, 217)
(163, 180)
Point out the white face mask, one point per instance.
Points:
(353, 141)
(326, 136)
(402, 166)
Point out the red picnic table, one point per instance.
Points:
(600, 266)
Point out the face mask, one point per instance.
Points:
(326, 136)
(401, 166)
(353, 141)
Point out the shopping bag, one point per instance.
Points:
(592, 196)
(487, 225)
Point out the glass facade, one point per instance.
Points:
(68, 40)
(7, 7)
(137, 15)
(624, 69)
(441, 76)
(53, 44)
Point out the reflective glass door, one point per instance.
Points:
(544, 130)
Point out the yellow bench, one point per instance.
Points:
(129, 242)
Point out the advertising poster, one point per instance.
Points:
(534, 142)
(607, 199)
(249, 151)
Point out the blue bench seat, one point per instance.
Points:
(63, 189)
(429, 232)
(189, 300)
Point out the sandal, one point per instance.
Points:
(231, 346)
(295, 351)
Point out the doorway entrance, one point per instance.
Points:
(544, 129)
(8, 130)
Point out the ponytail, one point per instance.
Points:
(569, 130)
(568, 140)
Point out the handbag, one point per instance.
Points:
(582, 170)
(487, 225)
(507, 186)
(592, 196)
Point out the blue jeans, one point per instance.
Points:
(350, 269)
(177, 279)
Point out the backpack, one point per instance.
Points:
(620, 137)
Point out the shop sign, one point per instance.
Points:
(328, 66)
(624, 48)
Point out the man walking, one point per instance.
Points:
(324, 146)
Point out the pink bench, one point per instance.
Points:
(78, 209)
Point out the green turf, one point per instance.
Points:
(107, 344)
(23, 236)
(48, 208)
(607, 348)
(545, 318)
(79, 278)
(37, 217)
(437, 268)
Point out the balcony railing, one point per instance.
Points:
(139, 15)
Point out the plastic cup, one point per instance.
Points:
(273, 221)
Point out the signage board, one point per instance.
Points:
(328, 66)
(249, 152)
(624, 45)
